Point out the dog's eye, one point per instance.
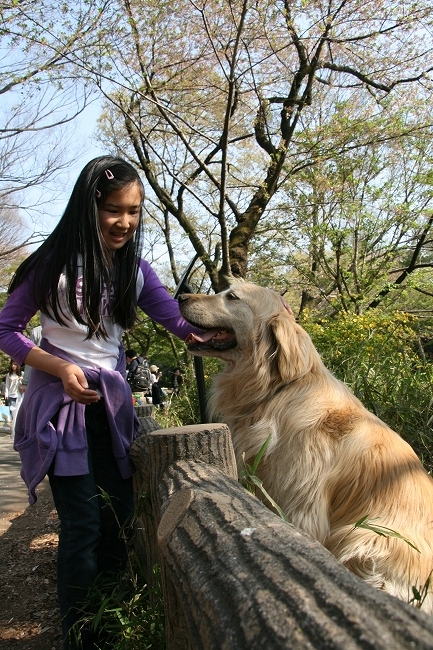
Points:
(232, 296)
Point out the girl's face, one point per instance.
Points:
(119, 215)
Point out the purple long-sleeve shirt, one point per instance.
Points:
(39, 443)
(153, 298)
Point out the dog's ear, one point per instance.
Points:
(286, 305)
(295, 354)
(226, 280)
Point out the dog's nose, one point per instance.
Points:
(183, 297)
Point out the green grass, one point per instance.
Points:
(124, 611)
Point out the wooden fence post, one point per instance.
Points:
(153, 454)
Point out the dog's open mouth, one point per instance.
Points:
(215, 339)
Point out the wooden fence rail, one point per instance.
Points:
(234, 575)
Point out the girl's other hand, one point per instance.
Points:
(73, 378)
(75, 385)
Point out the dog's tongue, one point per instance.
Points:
(201, 338)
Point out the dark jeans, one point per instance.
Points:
(89, 533)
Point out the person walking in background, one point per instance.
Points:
(13, 392)
(12, 384)
(153, 373)
(177, 381)
(76, 422)
(131, 365)
(157, 394)
(139, 377)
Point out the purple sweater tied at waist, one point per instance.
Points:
(41, 443)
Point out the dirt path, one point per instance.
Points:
(29, 618)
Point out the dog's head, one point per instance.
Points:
(248, 323)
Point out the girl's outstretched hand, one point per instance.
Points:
(76, 386)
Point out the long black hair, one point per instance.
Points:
(77, 241)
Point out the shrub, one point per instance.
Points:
(377, 356)
(183, 409)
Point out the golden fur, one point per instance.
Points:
(330, 462)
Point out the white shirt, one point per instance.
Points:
(12, 385)
(90, 353)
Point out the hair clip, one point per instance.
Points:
(98, 194)
(109, 174)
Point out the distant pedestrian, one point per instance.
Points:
(177, 381)
(138, 375)
(157, 393)
(12, 384)
(131, 365)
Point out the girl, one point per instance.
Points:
(12, 384)
(76, 422)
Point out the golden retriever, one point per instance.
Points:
(330, 462)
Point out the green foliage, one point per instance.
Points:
(345, 231)
(183, 409)
(378, 356)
